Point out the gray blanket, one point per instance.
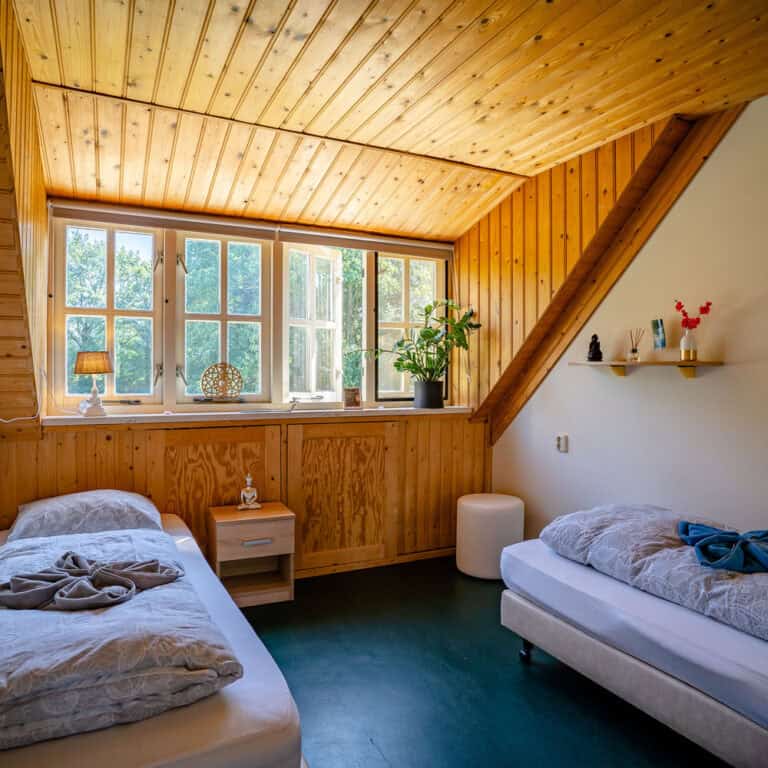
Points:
(64, 672)
(75, 583)
(639, 545)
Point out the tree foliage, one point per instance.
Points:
(87, 288)
(353, 274)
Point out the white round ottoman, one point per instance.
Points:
(485, 524)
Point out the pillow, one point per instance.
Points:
(87, 512)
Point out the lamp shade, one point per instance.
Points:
(93, 362)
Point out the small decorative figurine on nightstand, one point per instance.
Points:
(249, 495)
(595, 354)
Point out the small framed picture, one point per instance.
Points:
(352, 397)
(659, 336)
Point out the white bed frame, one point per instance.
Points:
(690, 712)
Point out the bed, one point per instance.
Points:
(706, 680)
(252, 722)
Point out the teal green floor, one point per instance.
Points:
(408, 667)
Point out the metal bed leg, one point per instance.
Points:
(526, 652)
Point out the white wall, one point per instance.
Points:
(694, 445)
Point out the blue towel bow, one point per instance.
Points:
(729, 550)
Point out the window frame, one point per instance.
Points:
(62, 400)
(313, 251)
(224, 317)
(406, 323)
(170, 232)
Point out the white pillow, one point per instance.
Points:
(86, 512)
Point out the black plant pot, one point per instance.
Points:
(428, 394)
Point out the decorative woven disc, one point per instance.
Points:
(221, 380)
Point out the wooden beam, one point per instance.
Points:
(663, 175)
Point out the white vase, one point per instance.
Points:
(688, 346)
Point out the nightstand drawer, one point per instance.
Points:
(254, 538)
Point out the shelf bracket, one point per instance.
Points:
(619, 370)
(687, 371)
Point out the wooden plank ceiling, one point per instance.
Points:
(103, 148)
(218, 91)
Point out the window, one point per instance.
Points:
(167, 303)
(404, 286)
(223, 312)
(323, 335)
(111, 289)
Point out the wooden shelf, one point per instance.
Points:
(687, 368)
(259, 588)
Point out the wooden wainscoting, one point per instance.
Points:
(366, 492)
(343, 485)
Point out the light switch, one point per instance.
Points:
(561, 442)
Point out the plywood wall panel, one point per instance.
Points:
(365, 492)
(338, 478)
(206, 467)
(545, 225)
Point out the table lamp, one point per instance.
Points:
(93, 363)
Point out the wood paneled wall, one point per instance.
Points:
(511, 263)
(366, 492)
(23, 253)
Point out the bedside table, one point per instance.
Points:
(252, 552)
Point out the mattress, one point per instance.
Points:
(718, 660)
(252, 723)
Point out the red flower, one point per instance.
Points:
(688, 321)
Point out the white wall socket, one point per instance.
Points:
(561, 442)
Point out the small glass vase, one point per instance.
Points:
(633, 356)
(688, 346)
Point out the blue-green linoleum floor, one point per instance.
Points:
(408, 667)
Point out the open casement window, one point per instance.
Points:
(223, 311)
(404, 286)
(107, 296)
(313, 322)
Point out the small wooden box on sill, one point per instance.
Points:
(252, 552)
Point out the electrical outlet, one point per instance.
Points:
(561, 442)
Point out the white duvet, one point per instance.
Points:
(63, 673)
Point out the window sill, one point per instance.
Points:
(213, 417)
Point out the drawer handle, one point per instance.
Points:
(255, 542)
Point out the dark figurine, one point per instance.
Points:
(595, 354)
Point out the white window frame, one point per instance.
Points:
(404, 393)
(168, 314)
(223, 317)
(58, 361)
(314, 253)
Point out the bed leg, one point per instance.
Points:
(526, 651)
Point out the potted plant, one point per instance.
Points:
(426, 351)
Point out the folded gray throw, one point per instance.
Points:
(75, 583)
(639, 545)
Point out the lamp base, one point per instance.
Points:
(91, 407)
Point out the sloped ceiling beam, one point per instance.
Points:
(664, 174)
